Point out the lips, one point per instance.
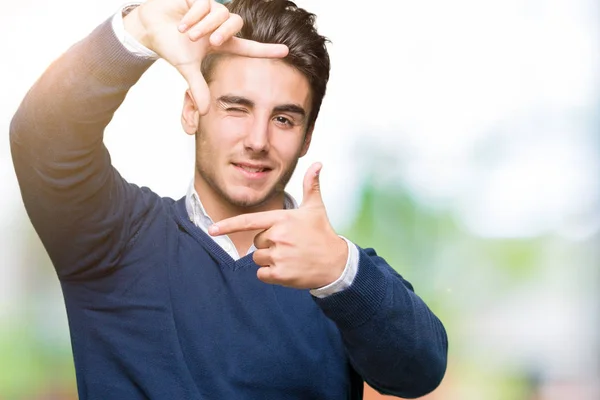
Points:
(252, 168)
(252, 171)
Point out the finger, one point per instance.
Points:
(262, 257)
(266, 275)
(218, 15)
(262, 241)
(247, 222)
(227, 30)
(250, 48)
(197, 85)
(312, 186)
(198, 10)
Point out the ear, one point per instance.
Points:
(307, 139)
(190, 114)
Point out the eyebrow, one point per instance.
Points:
(243, 101)
(290, 108)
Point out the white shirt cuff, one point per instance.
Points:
(347, 277)
(127, 39)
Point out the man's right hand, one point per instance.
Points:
(183, 32)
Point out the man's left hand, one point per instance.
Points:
(296, 248)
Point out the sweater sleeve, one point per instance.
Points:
(393, 340)
(84, 212)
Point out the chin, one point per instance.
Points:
(250, 199)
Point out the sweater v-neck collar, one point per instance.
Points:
(207, 242)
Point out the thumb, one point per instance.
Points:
(312, 186)
(197, 85)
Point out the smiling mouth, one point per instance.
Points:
(252, 169)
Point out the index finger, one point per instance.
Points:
(246, 222)
(250, 48)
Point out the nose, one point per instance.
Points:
(257, 139)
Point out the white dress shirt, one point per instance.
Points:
(195, 209)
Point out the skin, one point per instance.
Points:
(295, 248)
(256, 118)
(184, 32)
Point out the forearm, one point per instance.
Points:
(393, 340)
(68, 185)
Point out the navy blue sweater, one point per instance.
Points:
(156, 309)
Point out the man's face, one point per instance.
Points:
(248, 144)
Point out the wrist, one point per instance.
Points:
(341, 259)
(134, 26)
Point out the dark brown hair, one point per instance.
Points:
(282, 21)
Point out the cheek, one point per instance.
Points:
(232, 124)
(223, 134)
(230, 131)
(288, 146)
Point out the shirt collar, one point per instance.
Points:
(198, 215)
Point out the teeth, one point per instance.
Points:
(249, 169)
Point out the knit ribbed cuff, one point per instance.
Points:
(362, 300)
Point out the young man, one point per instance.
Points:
(162, 296)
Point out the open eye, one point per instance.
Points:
(286, 122)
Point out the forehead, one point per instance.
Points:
(266, 82)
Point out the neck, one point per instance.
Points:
(219, 209)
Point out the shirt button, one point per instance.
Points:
(227, 247)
